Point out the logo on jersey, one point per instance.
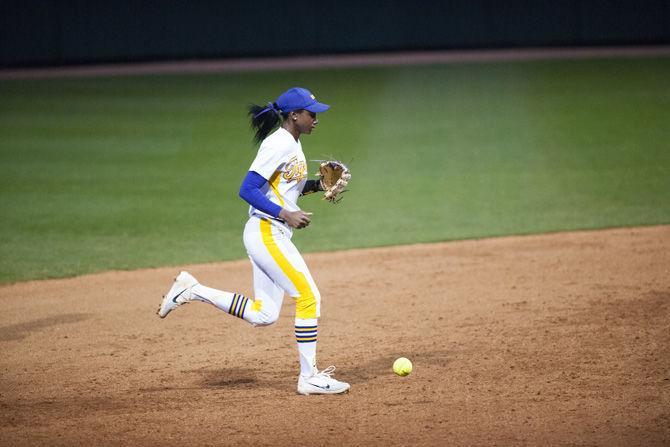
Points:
(295, 170)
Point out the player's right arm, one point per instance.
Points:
(250, 191)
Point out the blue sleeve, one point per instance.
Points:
(251, 192)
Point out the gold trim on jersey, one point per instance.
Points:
(274, 185)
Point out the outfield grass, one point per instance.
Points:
(120, 173)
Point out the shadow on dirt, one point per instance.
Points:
(229, 378)
(239, 378)
(22, 330)
(382, 366)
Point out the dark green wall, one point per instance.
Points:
(52, 32)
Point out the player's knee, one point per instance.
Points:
(267, 314)
(266, 319)
(307, 306)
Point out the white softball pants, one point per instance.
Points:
(278, 268)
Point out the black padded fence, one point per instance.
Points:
(53, 32)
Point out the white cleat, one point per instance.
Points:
(179, 293)
(321, 383)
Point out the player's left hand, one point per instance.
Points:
(334, 178)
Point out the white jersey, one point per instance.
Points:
(282, 163)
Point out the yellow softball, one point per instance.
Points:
(402, 366)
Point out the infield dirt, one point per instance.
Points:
(559, 339)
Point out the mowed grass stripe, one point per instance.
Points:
(121, 173)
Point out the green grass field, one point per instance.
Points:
(128, 172)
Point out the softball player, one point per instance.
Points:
(276, 178)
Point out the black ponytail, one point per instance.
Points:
(264, 119)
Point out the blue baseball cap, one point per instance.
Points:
(297, 98)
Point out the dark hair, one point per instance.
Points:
(264, 119)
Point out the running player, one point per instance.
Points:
(276, 178)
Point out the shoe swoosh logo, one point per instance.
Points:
(174, 300)
(327, 387)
